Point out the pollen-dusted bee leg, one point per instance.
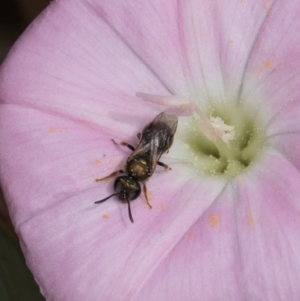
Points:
(110, 176)
(164, 165)
(145, 193)
(124, 143)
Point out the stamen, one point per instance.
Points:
(221, 130)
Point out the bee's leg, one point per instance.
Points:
(124, 143)
(110, 176)
(139, 136)
(164, 165)
(145, 193)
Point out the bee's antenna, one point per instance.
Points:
(101, 201)
(129, 210)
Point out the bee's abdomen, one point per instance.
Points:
(138, 168)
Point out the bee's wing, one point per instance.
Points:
(155, 152)
(146, 137)
(171, 121)
(164, 128)
(140, 150)
(156, 138)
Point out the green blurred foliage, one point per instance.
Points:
(16, 281)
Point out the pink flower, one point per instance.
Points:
(225, 220)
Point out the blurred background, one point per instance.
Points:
(16, 281)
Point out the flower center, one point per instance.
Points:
(221, 141)
(218, 158)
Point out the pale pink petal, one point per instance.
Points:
(69, 86)
(267, 219)
(71, 63)
(271, 80)
(204, 263)
(88, 253)
(47, 159)
(216, 40)
(69, 240)
(245, 246)
(288, 145)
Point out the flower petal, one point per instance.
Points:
(244, 246)
(77, 70)
(287, 144)
(272, 76)
(61, 229)
(203, 264)
(267, 218)
(72, 72)
(216, 39)
(46, 159)
(99, 254)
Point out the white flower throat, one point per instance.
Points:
(223, 144)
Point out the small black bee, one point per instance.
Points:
(155, 139)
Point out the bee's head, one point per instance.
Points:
(127, 188)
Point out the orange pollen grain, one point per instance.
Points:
(163, 206)
(267, 4)
(250, 220)
(106, 216)
(214, 220)
(95, 162)
(191, 236)
(269, 63)
(54, 130)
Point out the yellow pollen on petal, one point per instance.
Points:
(265, 65)
(267, 4)
(163, 206)
(269, 63)
(191, 235)
(55, 130)
(106, 216)
(95, 162)
(250, 220)
(214, 220)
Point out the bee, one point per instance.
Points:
(156, 139)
